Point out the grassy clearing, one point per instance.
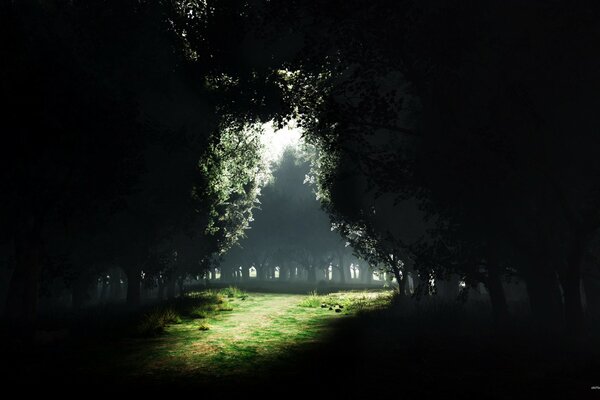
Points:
(204, 337)
(193, 306)
(230, 333)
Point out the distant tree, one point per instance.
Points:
(289, 228)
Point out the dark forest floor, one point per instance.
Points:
(279, 344)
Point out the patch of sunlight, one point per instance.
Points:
(260, 330)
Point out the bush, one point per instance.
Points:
(233, 292)
(349, 302)
(199, 312)
(313, 300)
(205, 297)
(224, 307)
(203, 327)
(156, 320)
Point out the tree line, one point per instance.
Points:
(452, 139)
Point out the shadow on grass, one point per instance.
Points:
(426, 349)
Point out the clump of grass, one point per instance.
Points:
(206, 296)
(200, 312)
(354, 302)
(156, 320)
(232, 292)
(313, 300)
(203, 327)
(225, 306)
(200, 304)
(346, 302)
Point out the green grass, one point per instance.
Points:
(156, 320)
(203, 327)
(312, 300)
(241, 335)
(233, 292)
(347, 302)
(194, 305)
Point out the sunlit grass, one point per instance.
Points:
(312, 300)
(347, 302)
(220, 335)
(194, 305)
(203, 326)
(199, 312)
(233, 292)
(225, 306)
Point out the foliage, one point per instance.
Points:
(348, 302)
(437, 111)
(225, 306)
(312, 300)
(290, 230)
(203, 327)
(233, 292)
(233, 173)
(157, 320)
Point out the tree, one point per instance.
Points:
(74, 137)
(450, 111)
(289, 228)
(108, 118)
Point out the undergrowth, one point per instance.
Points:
(347, 302)
(194, 305)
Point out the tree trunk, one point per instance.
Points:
(405, 284)
(312, 274)
(347, 273)
(342, 274)
(260, 272)
(399, 279)
(283, 273)
(225, 272)
(134, 292)
(341, 267)
(115, 285)
(366, 273)
(545, 298)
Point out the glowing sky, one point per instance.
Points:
(276, 141)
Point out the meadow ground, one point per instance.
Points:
(345, 344)
(210, 338)
(240, 337)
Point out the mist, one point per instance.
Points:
(343, 199)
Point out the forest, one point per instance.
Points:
(344, 198)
